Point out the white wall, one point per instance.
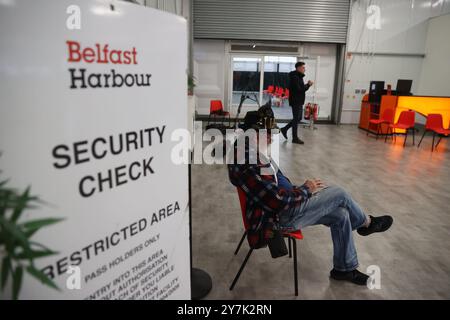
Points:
(209, 72)
(393, 52)
(325, 76)
(435, 77)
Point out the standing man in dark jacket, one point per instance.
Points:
(297, 89)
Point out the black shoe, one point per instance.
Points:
(377, 224)
(354, 276)
(298, 141)
(283, 132)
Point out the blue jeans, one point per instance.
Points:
(335, 208)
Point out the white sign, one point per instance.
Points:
(90, 94)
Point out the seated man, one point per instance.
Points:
(273, 202)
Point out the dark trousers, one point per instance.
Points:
(296, 117)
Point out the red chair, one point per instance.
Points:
(387, 117)
(216, 110)
(406, 121)
(292, 236)
(286, 94)
(434, 123)
(446, 133)
(269, 89)
(276, 91)
(280, 92)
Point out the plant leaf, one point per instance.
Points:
(40, 245)
(41, 277)
(29, 233)
(4, 201)
(39, 223)
(15, 232)
(17, 281)
(22, 202)
(6, 265)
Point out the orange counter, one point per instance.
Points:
(423, 105)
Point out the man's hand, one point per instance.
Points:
(314, 185)
(310, 83)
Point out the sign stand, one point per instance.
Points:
(201, 284)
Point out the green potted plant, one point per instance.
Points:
(191, 84)
(18, 251)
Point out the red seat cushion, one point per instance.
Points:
(442, 131)
(297, 234)
(400, 126)
(375, 121)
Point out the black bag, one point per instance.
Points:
(276, 244)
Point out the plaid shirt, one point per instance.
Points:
(265, 199)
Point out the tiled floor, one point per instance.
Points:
(411, 184)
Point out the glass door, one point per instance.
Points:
(276, 84)
(310, 74)
(266, 77)
(246, 81)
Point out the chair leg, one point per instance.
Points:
(432, 144)
(240, 242)
(424, 132)
(378, 131)
(393, 136)
(290, 249)
(414, 136)
(387, 133)
(241, 268)
(294, 244)
(406, 137)
(440, 138)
